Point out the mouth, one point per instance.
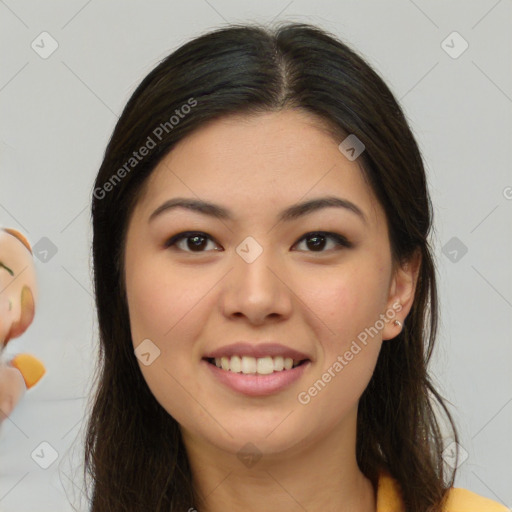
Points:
(248, 365)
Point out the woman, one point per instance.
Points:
(265, 289)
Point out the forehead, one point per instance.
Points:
(260, 162)
(14, 253)
(10, 243)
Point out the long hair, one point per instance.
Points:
(134, 456)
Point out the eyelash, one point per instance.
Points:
(339, 240)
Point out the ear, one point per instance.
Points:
(401, 294)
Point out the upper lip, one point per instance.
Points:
(256, 350)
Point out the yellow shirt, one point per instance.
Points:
(459, 500)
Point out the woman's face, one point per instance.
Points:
(251, 277)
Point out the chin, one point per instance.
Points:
(253, 434)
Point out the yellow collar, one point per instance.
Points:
(389, 499)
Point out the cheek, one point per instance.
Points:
(346, 301)
(170, 307)
(158, 300)
(348, 305)
(158, 304)
(338, 386)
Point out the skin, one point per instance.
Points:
(315, 300)
(12, 389)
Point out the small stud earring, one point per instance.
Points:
(397, 322)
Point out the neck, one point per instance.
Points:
(316, 475)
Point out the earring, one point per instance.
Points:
(397, 322)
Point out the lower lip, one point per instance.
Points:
(258, 385)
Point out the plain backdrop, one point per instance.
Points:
(57, 113)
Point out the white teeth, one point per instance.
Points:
(251, 365)
(265, 365)
(248, 364)
(278, 364)
(235, 364)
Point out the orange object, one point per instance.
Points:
(389, 499)
(18, 282)
(30, 367)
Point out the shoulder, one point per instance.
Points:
(462, 500)
(389, 499)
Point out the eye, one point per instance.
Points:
(318, 240)
(196, 241)
(2, 265)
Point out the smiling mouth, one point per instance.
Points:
(255, 366)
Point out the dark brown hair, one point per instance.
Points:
(134, 456)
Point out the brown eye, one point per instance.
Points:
(194, 241)
(318, 240)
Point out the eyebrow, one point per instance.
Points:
(291, 213)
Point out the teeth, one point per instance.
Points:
(248, 365)
(278, 363)
(265, 366)
(251, 365)
(235, 365)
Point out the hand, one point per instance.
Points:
(12, 389)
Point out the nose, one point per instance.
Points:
(257, 290)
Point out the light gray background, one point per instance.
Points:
(57, 115)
